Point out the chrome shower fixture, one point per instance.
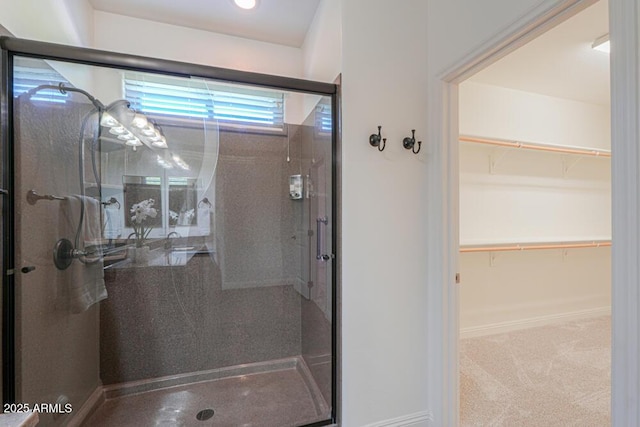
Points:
(131, 127)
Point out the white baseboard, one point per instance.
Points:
(419, 419)
(514, 325)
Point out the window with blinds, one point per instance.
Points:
(193, 100)
(323, 119)
(27, 77)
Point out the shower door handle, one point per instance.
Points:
(3, 192)
(319, 255)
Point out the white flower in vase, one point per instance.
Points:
(140, 212)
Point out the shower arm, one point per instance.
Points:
(64, 89)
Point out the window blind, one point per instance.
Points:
(323, 119)
(27, 78)
(180, 100)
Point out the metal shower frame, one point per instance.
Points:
(11, 47)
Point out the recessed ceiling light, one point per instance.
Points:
(602, 44)
(246, 4)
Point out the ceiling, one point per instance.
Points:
(283, 22)
(560, 62)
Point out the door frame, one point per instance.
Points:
(624, 22)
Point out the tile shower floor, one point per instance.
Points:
(268, 399)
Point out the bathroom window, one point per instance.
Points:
(31, 74)
(244, 108)
(323, 119)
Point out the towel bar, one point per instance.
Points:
(205, 201)
(33, 197)
(112, 201)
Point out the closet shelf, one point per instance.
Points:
(537, 246)
(538, 147)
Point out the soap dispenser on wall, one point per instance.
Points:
(295, 187)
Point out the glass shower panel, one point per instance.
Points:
(317, 308)
(57, 318)
(190, 223)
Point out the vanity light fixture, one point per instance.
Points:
(181, 163)
(246, 4)
(164, 163)
(602, 44)
(142, 131)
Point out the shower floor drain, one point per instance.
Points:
(205, 414)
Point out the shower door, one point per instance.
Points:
(174, 245)
(317, 309)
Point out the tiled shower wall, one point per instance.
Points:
(162, 321)
(237, 306)
(57, 350)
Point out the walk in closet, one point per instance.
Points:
(535, 230)
(535, 208)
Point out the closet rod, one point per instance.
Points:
(536, 247)
(514, 144)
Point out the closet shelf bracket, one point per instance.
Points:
(492, 259)
(496, 157)
(568, 164)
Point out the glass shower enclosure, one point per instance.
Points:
(169, 242)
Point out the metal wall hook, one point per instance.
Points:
(375, 140)
(410, 142)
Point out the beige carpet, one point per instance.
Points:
(556, 375)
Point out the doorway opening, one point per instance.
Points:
(535, 231)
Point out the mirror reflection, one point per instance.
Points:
(138, 189)
(183, 201)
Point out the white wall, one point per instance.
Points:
(528, 198)
(54, 21)
(498, 112)
(322, 47)
(384, 68)
(532, 196)
(524, 289)
(157, 40)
